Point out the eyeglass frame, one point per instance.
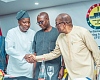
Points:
(40, 22)
(61, 23)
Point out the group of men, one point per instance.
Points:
(21, 41)
(73, 45)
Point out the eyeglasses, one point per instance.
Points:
(41, 22)
(59, 23)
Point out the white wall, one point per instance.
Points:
(77, 11)
(7, 22)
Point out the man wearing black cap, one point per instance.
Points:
(18, 45)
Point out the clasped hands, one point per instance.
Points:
(31, 58)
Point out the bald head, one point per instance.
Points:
(43, 21)
(63, 17)
(64, 23)
(43, 15)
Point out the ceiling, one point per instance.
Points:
(15, 6)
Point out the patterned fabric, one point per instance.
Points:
(22, 14)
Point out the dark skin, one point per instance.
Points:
(44, 23)
(24, 24)
(64, 25)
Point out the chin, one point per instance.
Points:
(44, 28)
(61, 32)
(24, 30)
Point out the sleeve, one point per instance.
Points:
(10, 46)
(34, 44)
(52, 55)
(92, 46)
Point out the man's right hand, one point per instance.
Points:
(31, 58)
(27, 57)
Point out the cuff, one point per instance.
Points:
(63, 67)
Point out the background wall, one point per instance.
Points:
(77, 11)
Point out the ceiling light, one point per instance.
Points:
(8, 0)
(36, 3)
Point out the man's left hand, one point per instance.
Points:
(61, 73)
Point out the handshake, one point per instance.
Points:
(31, 58)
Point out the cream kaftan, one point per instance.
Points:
(79, 51)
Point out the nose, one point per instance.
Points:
(27, 24)
(40, 24)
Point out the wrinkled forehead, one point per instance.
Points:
(58, 19)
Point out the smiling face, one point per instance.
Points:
(24, 24)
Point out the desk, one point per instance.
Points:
(19, 78)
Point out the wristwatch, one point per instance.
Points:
(63, 67)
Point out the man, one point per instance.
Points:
(44, 42)
(77, 47)
(2, 52)
(18, 45)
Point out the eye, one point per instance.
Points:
(40, 22)
(24, 22)
(57, 24)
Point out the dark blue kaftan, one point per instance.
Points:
(44, 42)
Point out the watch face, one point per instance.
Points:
(1, 74)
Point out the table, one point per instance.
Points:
(19, 78)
